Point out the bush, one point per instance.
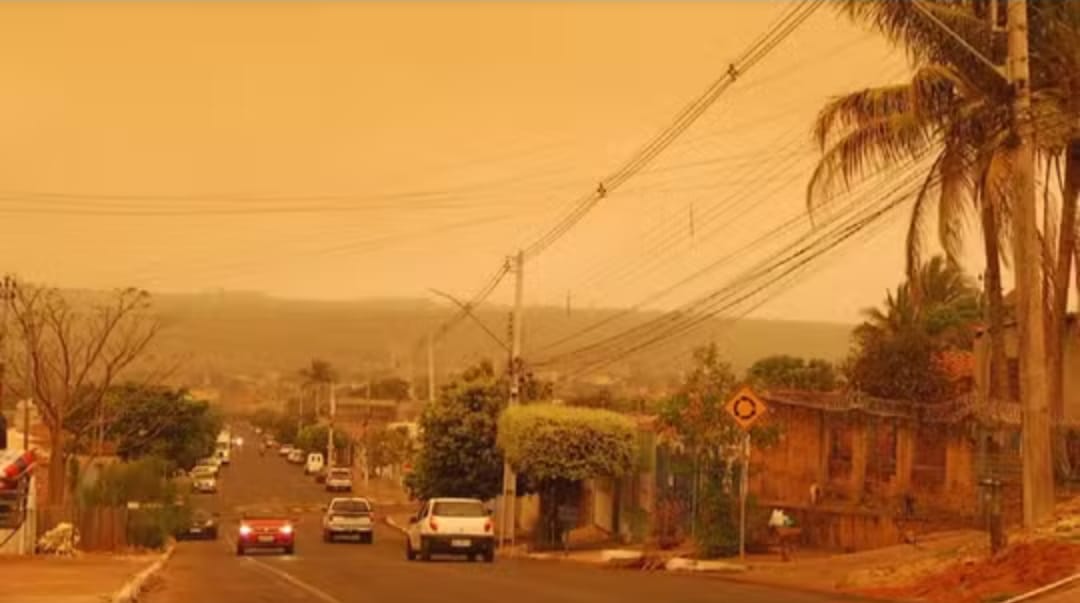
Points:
(547, 442)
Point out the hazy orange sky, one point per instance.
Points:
(285, 146)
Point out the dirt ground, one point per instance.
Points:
(1019, 568)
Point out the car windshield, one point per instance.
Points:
(202, 471)
(350, 506)
(459, 509)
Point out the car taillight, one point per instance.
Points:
(286, 529)
(433, 525)
(487, 526)
(245, 530)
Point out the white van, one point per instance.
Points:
(315, 463)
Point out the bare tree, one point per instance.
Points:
(73, 348)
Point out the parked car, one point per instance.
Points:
(349, 517)
(211, 461)
(214, 470)
(265, 531)
(285, 449)
(314, 464)
(204, 479)
(296, 456)
(339, 479)
(451, 526)
(202, 524)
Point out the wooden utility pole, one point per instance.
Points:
(1038, 478)
(509, 491)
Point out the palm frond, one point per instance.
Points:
(920, 213)
(874, 147)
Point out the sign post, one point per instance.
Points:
(746, 408)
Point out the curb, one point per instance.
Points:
(393, 524)
(129, 593)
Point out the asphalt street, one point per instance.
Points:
(342, 572)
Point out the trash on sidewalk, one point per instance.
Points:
(62, 541)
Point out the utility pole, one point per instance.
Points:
(6, 294)
(31, 378)
(507, 522)
(431, 367)
(330, 430)
(1038, 476)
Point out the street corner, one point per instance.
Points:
(129, 591)
(398, 523)
(83, 578)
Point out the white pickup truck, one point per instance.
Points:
(451, 526)
(349, 517)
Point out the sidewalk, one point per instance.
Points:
(89, 578)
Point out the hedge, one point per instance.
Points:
(550, 442)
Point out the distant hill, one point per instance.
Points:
(219, 334)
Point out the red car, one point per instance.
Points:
(266, 532)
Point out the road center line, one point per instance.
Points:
(304, 586)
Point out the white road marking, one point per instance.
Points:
(298, 583)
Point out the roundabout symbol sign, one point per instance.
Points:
(745, 407)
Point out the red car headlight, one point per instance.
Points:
(245, 530)
(286, 529)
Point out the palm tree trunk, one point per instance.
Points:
(1055, 344)
(999, 368)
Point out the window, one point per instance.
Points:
(350, 506)
(459, 509)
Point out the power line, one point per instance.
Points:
(787, 24)
(685, 315)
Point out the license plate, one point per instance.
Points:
(196, 530)
(460, 542)
(266, 538)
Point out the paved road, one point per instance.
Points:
(357, 573)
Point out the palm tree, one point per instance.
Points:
(316, 376)
(956, 110)
(947, 304)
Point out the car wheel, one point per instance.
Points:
(240, 550)
(213, 534)
(489, 556)
(409, 553)
(369, 538)
(472, 557)
(425, 550)
(327, 536)
(289, 550)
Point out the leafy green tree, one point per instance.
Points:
(898, 347)
(556, 447)
(790, 372)
(694, 423)
(458, 456)
(156, 421)
(313, 438)
(388, 447)
(900, 367)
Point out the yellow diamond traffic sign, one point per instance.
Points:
(745, 407)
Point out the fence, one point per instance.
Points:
(100, 528)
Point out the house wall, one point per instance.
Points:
(785, 472)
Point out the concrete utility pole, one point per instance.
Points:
(507, 521)
(330, 430)
(431, 367)
(6, 295)
(1038, 478)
